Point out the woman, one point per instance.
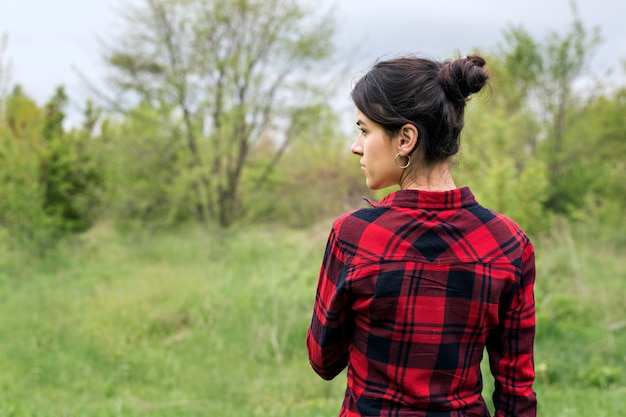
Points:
(412, 290)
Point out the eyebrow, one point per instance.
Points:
(360, 123)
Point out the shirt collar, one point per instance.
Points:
(440, 200)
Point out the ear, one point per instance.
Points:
(407, 139)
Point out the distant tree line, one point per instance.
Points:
(217, 114)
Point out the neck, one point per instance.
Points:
(438, 178)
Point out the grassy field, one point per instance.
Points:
(184, 325)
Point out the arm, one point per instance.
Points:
(510, 348)
(328, 335)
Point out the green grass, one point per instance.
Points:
(182, 324)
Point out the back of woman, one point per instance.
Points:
(412, 290)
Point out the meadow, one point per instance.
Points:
(184, 324)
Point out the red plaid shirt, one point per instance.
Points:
(411, 292)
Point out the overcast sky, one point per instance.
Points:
(48, 40)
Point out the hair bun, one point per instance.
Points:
(463, 77)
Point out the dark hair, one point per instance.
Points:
(429, 94)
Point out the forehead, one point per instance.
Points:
(362, 119)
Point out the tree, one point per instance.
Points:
(55, 115)
(219, 73)
(48, 183)
(318, 176)
(522, 132)
(546, 73)
(566, 58)
(24, 118)
(536, 83)
(70, 179)
(22, 216)
(142, 164)
(598, 167)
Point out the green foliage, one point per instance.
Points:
(142, 167)
(48, 182)
(537, 146)
(54, 115)
(538, 79)
(580, 328)
(597, 374)
(71, 181)
(230, 70)
(23, 117)
(497, 161)
(315, 178)
(597, 147)
(22, 217)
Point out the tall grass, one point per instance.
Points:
(581, 320)
(184, 325)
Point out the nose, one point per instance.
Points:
(357, 146)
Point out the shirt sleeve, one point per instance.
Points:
(328, 335)
(510, 348)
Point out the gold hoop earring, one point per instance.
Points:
(408, 161)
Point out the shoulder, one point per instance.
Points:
(510, 225)
(504, 232)
(359, 228)
(491, 219)
(358, 220)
